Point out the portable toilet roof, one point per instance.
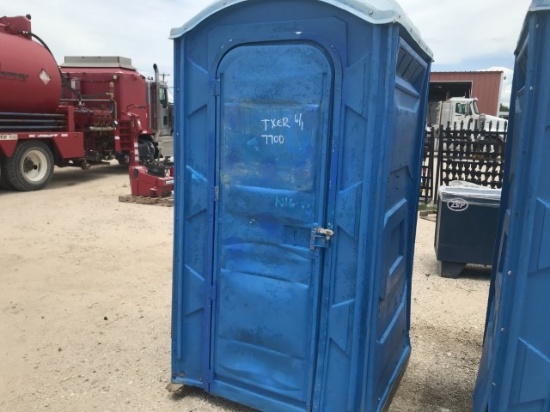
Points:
(372, 11)
(536, 6)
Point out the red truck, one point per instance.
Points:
(86, 111)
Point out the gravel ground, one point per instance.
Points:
(85, 307)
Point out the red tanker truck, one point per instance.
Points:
(83, 112)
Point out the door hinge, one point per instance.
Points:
(212, 293)
(320, 238)
(215, 87)
(209, 379)
(216, 193)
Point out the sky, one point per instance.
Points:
(463, 35)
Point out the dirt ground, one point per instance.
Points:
(85, 295)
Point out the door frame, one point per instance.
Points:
(333, 130)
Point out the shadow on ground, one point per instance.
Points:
(212, 401)
(72, 176)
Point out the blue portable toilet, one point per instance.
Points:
(298, 139)
(514, 373)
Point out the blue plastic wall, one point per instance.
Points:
(292, 116)
(514, 374)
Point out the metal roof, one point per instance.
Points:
(372, 11)
(466, 71)
(98, 61)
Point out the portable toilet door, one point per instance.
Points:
(297, 178)
(514, 374)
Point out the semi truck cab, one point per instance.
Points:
(462, 112)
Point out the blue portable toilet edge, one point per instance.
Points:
(514, 372)
(364, 105)
(539, 5)
(535, 7)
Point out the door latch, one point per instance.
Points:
(320, 237)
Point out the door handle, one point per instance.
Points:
(320, 237)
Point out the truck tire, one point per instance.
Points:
(30, 167)
(147, 149)
(123, 159)
(4, 184)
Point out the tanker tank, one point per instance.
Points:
(30, 81)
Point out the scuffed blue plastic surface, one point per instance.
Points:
(514, 374)
(284, 124)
